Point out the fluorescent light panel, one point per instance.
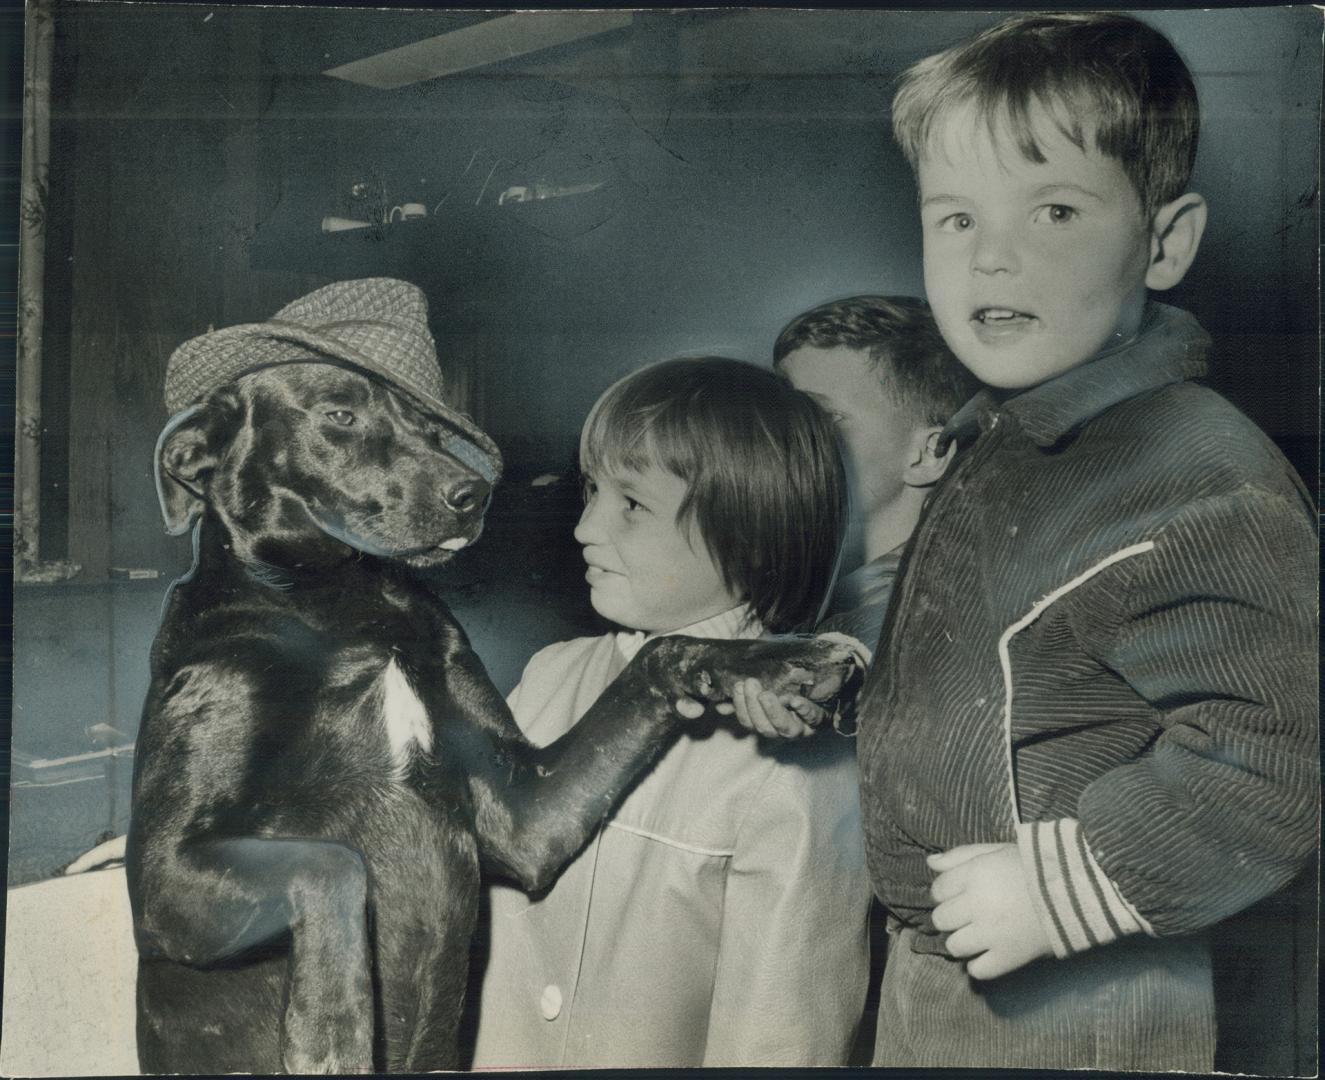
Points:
(487, 42)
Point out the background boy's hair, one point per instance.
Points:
(766, 486)
(916, 368)
(1111, 69)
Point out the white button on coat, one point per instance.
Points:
(550, 1002)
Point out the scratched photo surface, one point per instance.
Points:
(576, 194)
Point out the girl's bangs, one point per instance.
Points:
(616, 438)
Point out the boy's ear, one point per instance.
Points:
(1175, 234)
(925, 465)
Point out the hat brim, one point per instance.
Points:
(235, 351)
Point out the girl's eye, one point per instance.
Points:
(588, 489)
(957, 223)
(343, 417)
(1055, 214)
(632, 505)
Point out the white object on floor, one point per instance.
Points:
(110, 851)
(70, 973)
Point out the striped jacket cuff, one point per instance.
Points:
(1079, 907)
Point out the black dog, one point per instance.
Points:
(323, 764)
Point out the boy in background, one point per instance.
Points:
(1090, 730)
(879, 367)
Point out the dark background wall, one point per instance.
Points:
(746, 174)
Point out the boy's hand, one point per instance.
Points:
(788, 716)
(984, 901)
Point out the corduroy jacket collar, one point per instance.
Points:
(1170, 347)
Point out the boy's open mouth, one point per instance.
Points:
(996, 316)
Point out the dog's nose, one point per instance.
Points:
(467, 496)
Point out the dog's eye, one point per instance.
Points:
(343, 417)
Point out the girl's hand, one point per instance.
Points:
(985, 902)
(788, 716)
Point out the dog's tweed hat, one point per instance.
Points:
(377, 325)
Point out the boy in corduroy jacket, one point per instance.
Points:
(1090, 730)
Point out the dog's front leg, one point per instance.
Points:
(209, 900)
(536, 807)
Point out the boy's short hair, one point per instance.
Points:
(1124, 72)
(915, 366)
(766, 486)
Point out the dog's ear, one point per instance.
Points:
(187, 452)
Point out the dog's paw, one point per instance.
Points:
(827, 670)
(819, 668)
(315, 1042)
(330, 1059)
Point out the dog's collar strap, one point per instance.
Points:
(467, 453)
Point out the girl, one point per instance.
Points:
(720, 917)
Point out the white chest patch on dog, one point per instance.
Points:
(406, 718)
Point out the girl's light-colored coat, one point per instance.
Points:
(718, 919)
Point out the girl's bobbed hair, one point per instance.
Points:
(766, 487)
